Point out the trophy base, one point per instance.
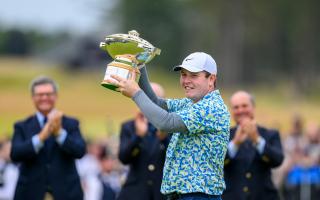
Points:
(109, 86)
(121, 69)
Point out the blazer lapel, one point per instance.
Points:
(33, 127)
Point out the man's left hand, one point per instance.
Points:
(128, 87)
(250, 127)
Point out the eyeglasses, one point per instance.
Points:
(48, 94)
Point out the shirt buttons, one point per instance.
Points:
(151, 167)
(248, 175)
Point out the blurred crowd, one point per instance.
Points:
(102, 174)
(298, 177)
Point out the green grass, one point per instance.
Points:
(80, 94)
(101, 111)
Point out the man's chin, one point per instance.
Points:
(244, 117)
(45, 109)
(188, 95)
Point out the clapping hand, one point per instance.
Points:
(240, 136)
(161, 135)
(246, 129)
(55, 121)
(250, 127)
(45, 132)
(141, 125)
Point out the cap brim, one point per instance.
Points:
(189, 68)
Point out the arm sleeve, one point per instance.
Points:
(73, 145)
(146, 87)
(62, 137)
(272, 153)
(36, 142)
(159, 117)
(21, 149)
(261, 144)
(129, 144)
(232, 149)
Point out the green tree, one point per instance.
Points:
(159, 23)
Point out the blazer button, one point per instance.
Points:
(248, 175)
(265, 158)
(151, 167)
(245, 189)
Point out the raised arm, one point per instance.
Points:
(146, 87)
(158, 116)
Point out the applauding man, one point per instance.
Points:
(252, 152)
(46, 145)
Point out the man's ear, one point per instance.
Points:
(213, 78)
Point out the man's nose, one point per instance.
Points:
(186, 79)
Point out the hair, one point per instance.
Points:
(42, 80)
(251, 97)
(207, 74)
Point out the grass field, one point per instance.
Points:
(101, 111)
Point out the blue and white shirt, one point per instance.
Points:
(194, 160)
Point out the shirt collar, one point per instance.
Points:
(40, 118)
(211, 95)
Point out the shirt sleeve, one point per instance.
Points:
(146, 87)
(232, 149)
(261, 144)
(159, 117)
(197, 119)
(36, 143)
(62, 137)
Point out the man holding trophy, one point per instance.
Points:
(199, 124)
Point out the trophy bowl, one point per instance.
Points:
(130, 53)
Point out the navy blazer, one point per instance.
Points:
(53, 167)
(146, 157)
(248, 174)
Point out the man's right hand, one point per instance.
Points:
(45, 132)
(240, 136)
(55, 120)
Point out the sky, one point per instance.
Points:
(77, 16)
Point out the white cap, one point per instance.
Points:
(197, 62)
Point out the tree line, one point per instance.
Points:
(252, 41)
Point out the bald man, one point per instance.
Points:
(143, 148)
(252, 152)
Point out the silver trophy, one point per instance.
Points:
(130, 53)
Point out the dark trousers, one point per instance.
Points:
(192, 196)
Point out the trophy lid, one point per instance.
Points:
(131, 43)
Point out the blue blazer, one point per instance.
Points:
(248, 174)
(146, 157)
(53, 167)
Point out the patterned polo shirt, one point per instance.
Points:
(194, 160)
